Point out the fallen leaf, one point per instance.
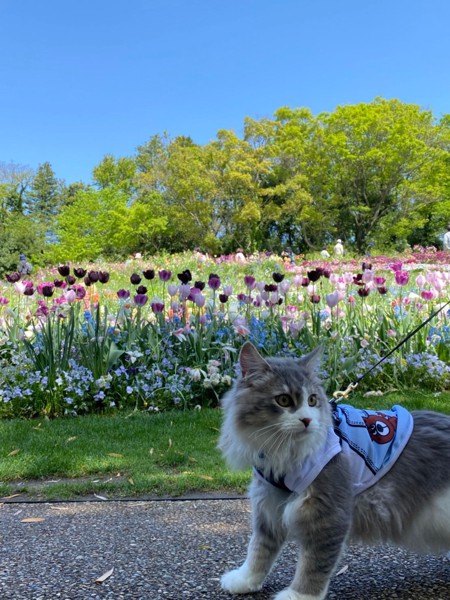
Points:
(115, 454)
(12, 496)
(170, 443)
(341, 571)
(72, 438)
(150, 451)
(100, 497)
(105, 576)
(207, 477)
(32, 520)
(130, 481)
(14, 452)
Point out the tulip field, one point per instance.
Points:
(165, 332)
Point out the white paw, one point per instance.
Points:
(290, 594)
(241, 581)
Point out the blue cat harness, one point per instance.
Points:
(372, 441)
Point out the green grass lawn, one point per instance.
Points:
(141, 455)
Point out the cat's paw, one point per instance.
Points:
(290, 594)
(241, 581)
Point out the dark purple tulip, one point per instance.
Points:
(223, 298)
(315, 298)
(58, 283)
(315, 274)
(363, 291)
(64, 270)
(135, 279)
(270, 287)
(305, 282)
(357, 279)
(123, 294)
(185, 276)
(47, 290)
(93, 276)
(200, 285)
(28, 291)
(242, 297)
(277, 277)
(382, 290)
(213, 275)
(140, 299)
(70, 279)
(366, 266)
(79, 272)
(87, 281)
(103, 276)
(327, 273)
(165, 274)
(214, 283)
(141, 289)
(13, 277)
(149, 274)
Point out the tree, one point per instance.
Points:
(44, 199)
(89, 227)
(381, 157)
(118, 172)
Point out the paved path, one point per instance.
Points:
(175, 550)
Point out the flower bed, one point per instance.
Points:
(166, 334)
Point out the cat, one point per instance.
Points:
(278, 419)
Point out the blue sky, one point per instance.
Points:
(83, 78)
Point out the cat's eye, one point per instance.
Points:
(313, 400)
(283, 400)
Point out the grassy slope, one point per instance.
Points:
(165, 454)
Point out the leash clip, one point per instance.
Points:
(339, 395)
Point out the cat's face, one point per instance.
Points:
(279, 406)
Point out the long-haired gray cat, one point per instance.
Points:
(317, 484)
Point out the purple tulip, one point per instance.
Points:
(140, 299)
(157, 306)
(93, 276)
(382, 290)
(123, 294)
(3, 301)
(401, 277)
(277, 277)
(79, 272)
(315, 298)
(141, 289)
(135, 279)
(80, 291)
(249, 281)
(165, 275)
(214, 282)
(223, 298)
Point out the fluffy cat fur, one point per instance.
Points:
(409, 506)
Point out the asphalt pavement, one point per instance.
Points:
(178, 550)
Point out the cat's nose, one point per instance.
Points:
(306, 421)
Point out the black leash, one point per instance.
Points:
(337, 396)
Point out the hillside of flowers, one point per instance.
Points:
(165, 333)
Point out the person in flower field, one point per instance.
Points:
(24, 267)
(447, 238)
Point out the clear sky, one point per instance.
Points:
(83, 78)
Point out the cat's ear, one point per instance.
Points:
(313, 359)
(251, 360)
